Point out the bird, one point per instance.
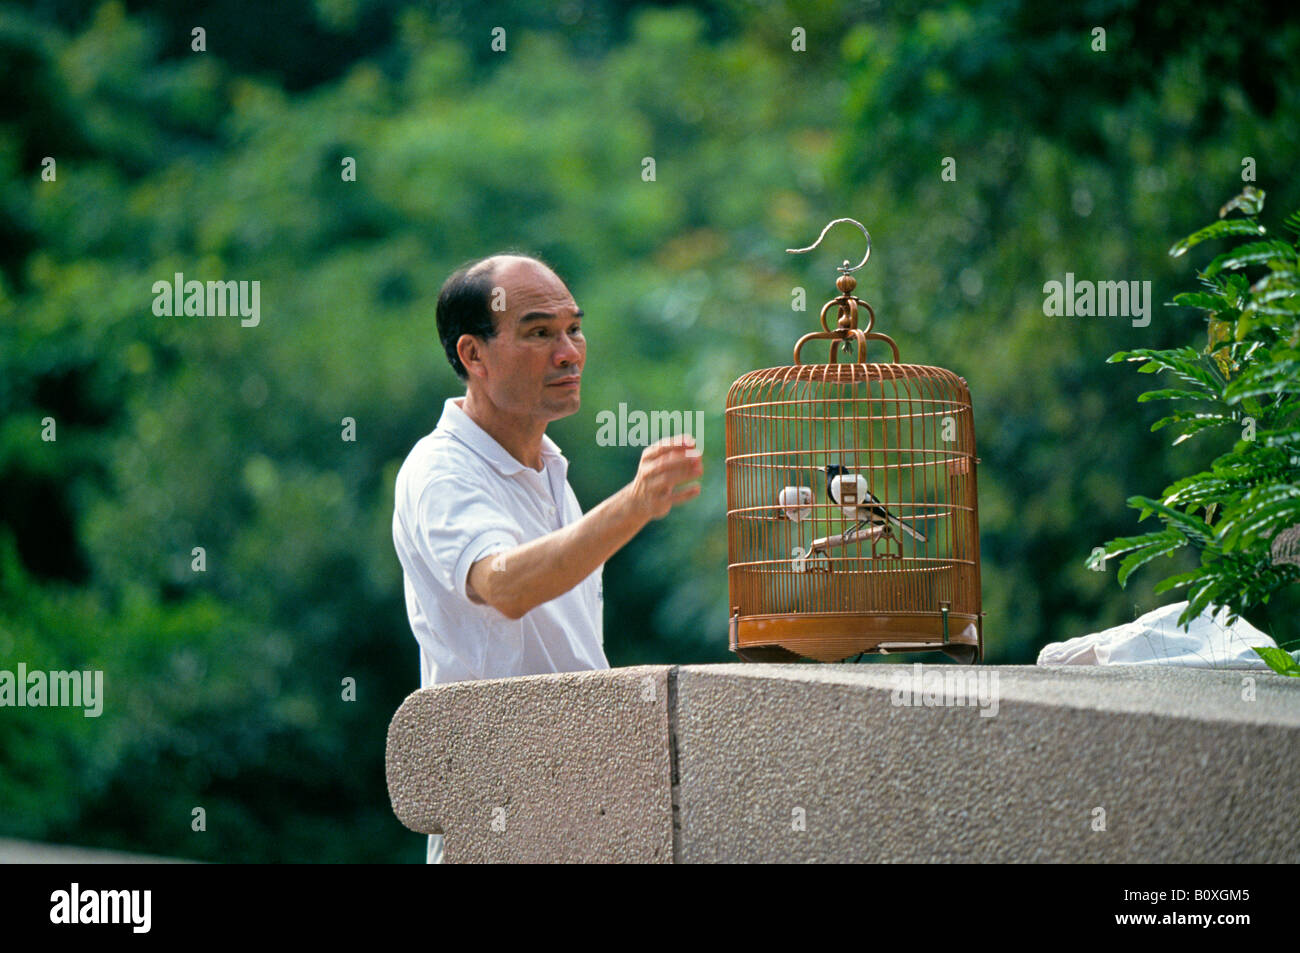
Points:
(796, 502)
(843, 485)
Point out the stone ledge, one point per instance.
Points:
(581, 766)
(540, 768)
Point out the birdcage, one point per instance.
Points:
(851, 502)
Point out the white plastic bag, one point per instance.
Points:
(1157, 639)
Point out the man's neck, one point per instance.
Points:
(521, 436)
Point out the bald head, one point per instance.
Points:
(491, 265)
(513, 334)
(465, 303)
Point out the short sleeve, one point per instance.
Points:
(457, 525)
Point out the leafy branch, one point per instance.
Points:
(1242, 515)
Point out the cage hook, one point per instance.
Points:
(844, 268)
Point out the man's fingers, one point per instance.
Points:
(681, 496)
(672, 457)
(667, 445)
(665, 465)
(677, 471)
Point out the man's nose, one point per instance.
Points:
(568, 352)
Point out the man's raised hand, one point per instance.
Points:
(664, 466)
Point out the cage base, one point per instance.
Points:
(830, 637)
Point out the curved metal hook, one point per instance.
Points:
(844, 268)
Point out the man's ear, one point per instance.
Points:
(470, 351)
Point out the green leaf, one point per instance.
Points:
(1197, 603)
(1188, 525)
(1275, 293)
(1139, 503)
(1289, 308)
(1202, 490)
(1166, 421)
(1141, 557)
(1234, 286)
(1199, 423)
(1250, 201)
(1170, 393)
(1116, 547)
(1252, 253)
(1185, 363)
(1260, 514)
(1279, 660)
(1234, 226)
(1284, 278)
(1253, 464)
(1285, 436)
(1177, 581)
(1201, 300)
(1244, 326)
(1262, 380)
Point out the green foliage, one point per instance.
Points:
(1280, 661)
(1247, 379)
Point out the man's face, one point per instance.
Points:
(529, 367)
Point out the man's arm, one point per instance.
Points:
(545, 568)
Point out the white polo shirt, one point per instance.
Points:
(461, 496)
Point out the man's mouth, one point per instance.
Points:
(564, 382)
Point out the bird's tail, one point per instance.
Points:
(905, 528)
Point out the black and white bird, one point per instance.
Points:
(842, 486)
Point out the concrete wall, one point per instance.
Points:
(556, 767)
(821, 763)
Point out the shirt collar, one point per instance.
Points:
(460, 425)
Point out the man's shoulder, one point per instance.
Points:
(437, 455)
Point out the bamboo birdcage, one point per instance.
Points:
(807, 577)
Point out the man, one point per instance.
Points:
(502, 569)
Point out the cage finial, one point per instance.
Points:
(846, 330)
(844, 268)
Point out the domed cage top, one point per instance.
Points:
(851, 503)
